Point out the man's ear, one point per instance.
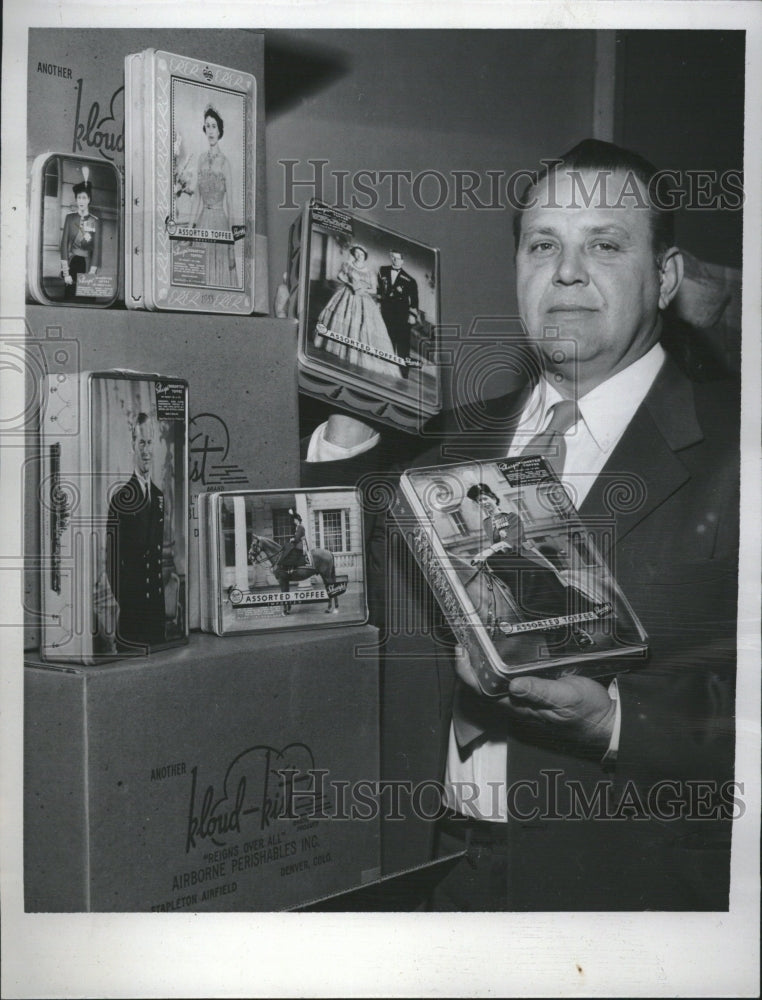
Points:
(670, 276)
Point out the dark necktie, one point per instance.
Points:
(550, 443)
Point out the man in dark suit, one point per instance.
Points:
(572, 793)
(398, 297)
(579, 794)
(585, 794)
(135, 532)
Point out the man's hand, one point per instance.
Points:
(572, 709)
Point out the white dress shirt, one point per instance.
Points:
(475, 777)
(320, 450)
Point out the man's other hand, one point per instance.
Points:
(574, 709)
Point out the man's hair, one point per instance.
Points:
(142, 418)
(398, 252)
(594, 154)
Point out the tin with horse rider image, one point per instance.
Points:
(275, 559)
(519, 577)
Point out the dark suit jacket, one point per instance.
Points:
(293, 551)
(402, 293)
(666, 505)
(397, 299)
(135, 532)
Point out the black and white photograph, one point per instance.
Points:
(145, 555)
(191, 143)
(369, 305)
(284, 560)
(115, 535)
(75, 232)
(516, 572)
(208, 184)
(379, 571)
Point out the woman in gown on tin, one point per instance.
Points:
(214, 190)
(536, 589)
(353, 312)
(80, 249)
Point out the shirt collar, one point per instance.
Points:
(320, 450)
(607, 409)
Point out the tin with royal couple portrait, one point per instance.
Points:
(367, 299)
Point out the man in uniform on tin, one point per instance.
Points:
(398, 296)
(135, 533)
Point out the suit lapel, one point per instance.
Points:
(137, 486)
(644, 469)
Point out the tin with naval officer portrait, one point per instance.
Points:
(114, 503)
(367, 299)
(191, 149)
(274, 559)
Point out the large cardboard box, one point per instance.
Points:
(155, 785)
(244, 422)
(76, 97)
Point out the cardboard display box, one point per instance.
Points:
(154, 785)
(244, 423)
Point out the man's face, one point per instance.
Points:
(396, 259)
(143, 448)
(590, 272)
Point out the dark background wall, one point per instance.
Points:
(680, 102)
(427, 100)
(495, 100)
